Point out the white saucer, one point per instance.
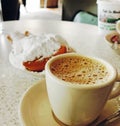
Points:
(35, 108)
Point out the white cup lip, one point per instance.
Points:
(112, 79)
(115, 2)
(118, 26)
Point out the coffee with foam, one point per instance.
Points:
(80, 70)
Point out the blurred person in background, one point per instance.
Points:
(71, 7)
(10, 9)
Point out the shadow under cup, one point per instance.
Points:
(73, 103)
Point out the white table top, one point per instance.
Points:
(84, 38)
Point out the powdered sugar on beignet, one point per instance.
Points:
(31, 47)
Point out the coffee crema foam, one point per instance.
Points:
(80, 70)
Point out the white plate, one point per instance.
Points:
(109, 36)
(110, 43)
(35, 108)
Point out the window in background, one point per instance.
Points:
(36, 4)
(32, 5)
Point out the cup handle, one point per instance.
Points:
(115, 91)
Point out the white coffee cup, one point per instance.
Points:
(118, 26)
(78, 104)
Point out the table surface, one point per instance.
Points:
(84, 38)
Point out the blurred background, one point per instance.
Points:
(84, 11)
(45, 9)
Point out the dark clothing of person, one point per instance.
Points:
(71, 7)
(10, 9)
(24, 2)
